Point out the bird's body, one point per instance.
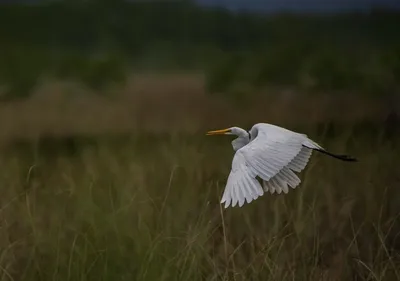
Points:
(271, 153)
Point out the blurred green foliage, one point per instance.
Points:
(98, 42)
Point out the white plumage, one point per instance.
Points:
(270, 153)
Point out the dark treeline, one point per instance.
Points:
(133, 26)
(92, 41)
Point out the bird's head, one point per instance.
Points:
(229, 131)
(240, 141)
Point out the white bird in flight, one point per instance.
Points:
(271, 153)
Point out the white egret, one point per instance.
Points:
(271, 153)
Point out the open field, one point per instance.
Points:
(106, 172)
(83, 203)
(165, 103)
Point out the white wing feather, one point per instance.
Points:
(273, 156)
(242, 183)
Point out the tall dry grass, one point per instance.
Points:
(146, 207)
(173, 102)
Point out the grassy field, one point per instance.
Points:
(180, 102)
(135, 195)
(106, 172)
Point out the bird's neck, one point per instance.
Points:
(240, 141)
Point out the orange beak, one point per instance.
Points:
(218, 132)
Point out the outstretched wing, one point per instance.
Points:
(272, 156)
(242, 183)
(286, 177)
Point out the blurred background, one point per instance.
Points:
(106, 170)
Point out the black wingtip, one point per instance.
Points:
(347, 158)
(340, 157)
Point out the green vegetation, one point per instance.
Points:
(77, 206)
(147, 208)
(66, 39)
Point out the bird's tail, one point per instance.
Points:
(337, 156)
(315, 146)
